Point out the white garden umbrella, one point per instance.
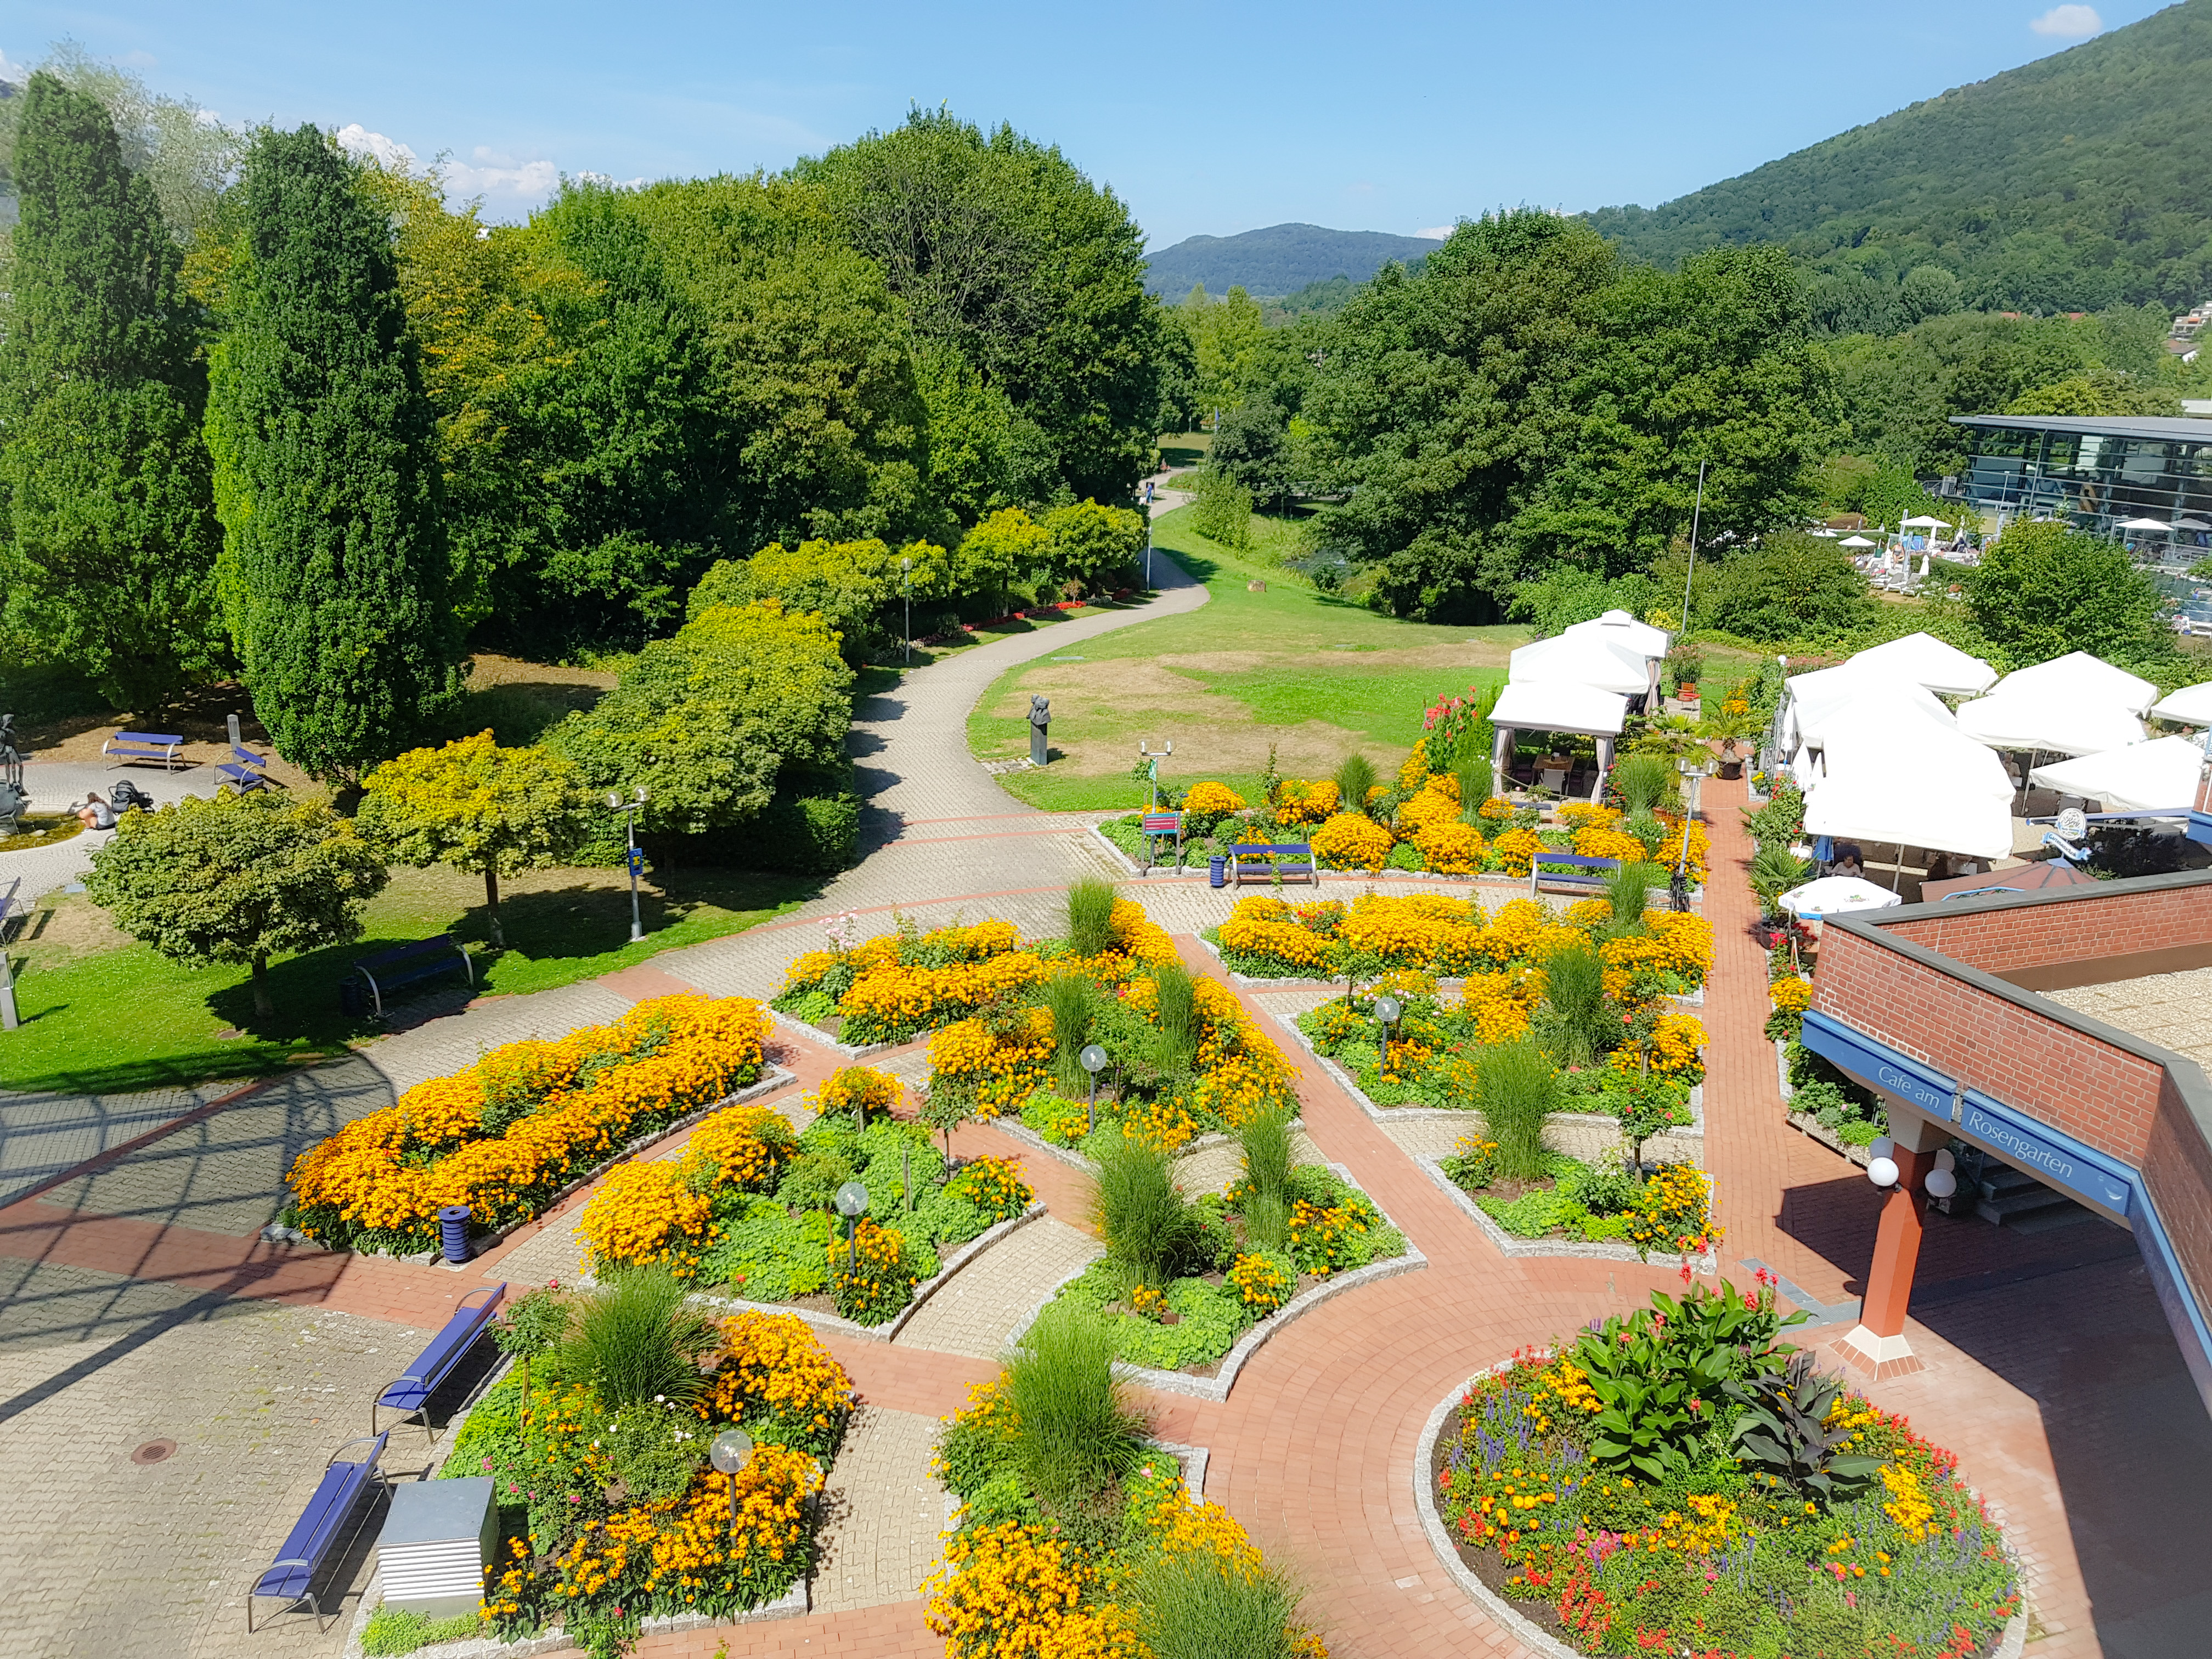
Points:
(2047, 724)
(1833, 895)
(1930, 663)
(1926, 521)
(2143, 523)
(2079, 675)
(1582, 660)
(1856, 541)
(2143, 777)
(1905, 809)
(2191, 704)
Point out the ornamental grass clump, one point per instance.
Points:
(1072, 1002)
(1642, 781)
(1265, 1142)
(1196, 1604)
(1149, 1230)
(1075, 1432)
(634, 1342)
(1516, 1086)
(1090, 917)
(1177, 1021)
(1355, 779)
(1628, 891)
(1575, 1022)
(1476, 779)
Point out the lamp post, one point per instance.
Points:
(852, 1202)
(629, 810)
(732, 1451)
(1151, 765)
(1386, 1011)
(906, 587)
(1697, 513)
(1093, 1061)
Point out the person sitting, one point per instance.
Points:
(1849, 860)
(95, 813)
(1940, 869)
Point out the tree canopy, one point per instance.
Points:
(2046, 589)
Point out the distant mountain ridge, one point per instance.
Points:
(2079, 181)
(1278, 260)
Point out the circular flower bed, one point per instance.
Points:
(1679, 1480)
(505, 1135)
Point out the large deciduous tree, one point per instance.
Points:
(237, 878)
(107, 529)
(337, 575)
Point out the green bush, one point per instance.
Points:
(1355, 776)
(1192, 1604)
(857, 587)
(1642, 781)
(806, 835)
(1075, 1432)
(392, 1631)
(1176, 1032)
(1090, 916)
(634, 1340)
(1515, 1087)
(1575, 1008)
(1221, 509)
(1150, 1232)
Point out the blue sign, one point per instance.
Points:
(637, 861)
(1878, 1065)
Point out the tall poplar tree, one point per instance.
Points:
(107, 528)
(335, 574)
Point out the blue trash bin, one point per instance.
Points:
(1217, 870)
(453, 1231)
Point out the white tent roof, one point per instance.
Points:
(1813, 722)
(1559, 706)
(1854, 541)
(2192, 703)
(2034, 718)
(1814, 697)
(1582, 660)
(1875, 745)
(1927, 521)
(1930, 662)
(1619, 629)
(2079, 675)
(2143, 777)
(1832, 894)
(1923, 809)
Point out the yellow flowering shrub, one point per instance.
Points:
(1579, 815)
(1686, 939)
(871, 1280)
(1288, 948)
(1450, 847)
(1004, 1070)
(1413, 771)
(744, 1147)
(380, 1180)
(1673, 1212)
(1598, 842)
(1262, 1283)
(859, 1091)
(1790, 994)
(1306, 801)
(1008, 1592)
(1497, 809)
(1352, 840)
(891, 1002)
(645, 1213)
(1517, 849)
(775, 1365)
(1210, 799)
(1678, 1043)
(1431, 805)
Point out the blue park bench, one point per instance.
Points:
(1158, 827)
(244, 772)
(291, 1577)
(402, 965)
(409, 1396)
(1573, 877)
(1255, 861)
(128, 746)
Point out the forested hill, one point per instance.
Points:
(2077, 182)
(1278, 260)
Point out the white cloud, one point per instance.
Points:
(501, 179)
(13, 72)
(358, 140)
(2069, 22)
(139, 60)
(1435, 233)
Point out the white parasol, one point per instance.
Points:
(1833, 895)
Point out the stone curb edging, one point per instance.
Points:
(815, 1034)
(772, 1077)
(1217, 1386)
(947, 1266)
(1693, 1130)
(1583, 1249)
(1015, 1129)
(1502, 1613)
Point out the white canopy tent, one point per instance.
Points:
(2143, 777)
(1924, 810)
(1557, 706)
(1856, 541)
(1875, 745)
(2192, 705)
(1828, 691)
(2079, 675)
(1930, 663)
(1619, 629)
(2044, 721)
(1582, 660)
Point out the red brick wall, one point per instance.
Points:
(2122, 923)
(2104, 1096)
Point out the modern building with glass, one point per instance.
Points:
(2097, 471)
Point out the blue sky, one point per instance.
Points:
(1211, 119)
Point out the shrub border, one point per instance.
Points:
(1507, 1618)
(1582, 1249)
(1693, 1000)
(1804, 1123)
(1217, 1386)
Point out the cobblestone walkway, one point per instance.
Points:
(977, 1312)
(883, 1513)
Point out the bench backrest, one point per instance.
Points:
(320, 1523)
(1579, 860)
(398, 953)
(443, 1353)
(144, 737)
(1291, 848)
(246, 756)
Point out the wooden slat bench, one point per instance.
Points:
(129, 746)
(291, 1577)
(1158, 827)
(409, 1396)
(1572, 878)
(1255, 861)
(402, 965)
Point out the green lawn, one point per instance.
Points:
(102, 1013)
(1311, 673)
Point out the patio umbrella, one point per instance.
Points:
(2192, 704)
(2142, 524)
(1854, 541)
(1833, 895)
(2191, 524)
(2078, 674)
(2141, 778)
(1926, 521)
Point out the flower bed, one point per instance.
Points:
(748, 1207)
(1668, 1210)
(507, 1135)
(1679, 1480)
(896, 985)
(610, 1515)
(1192, 1321)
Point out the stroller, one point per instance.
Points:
(125, 796)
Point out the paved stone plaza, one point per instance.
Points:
(140, 1306)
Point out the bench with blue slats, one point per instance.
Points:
(291, 1577)
(161, 746)
(1255, 861)
(1571, 877)
(409, 1396)
(402, 965)
(244, 772)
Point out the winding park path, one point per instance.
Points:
(142, 1305)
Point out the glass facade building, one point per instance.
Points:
(2096, 472)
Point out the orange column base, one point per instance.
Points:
(1876, 1347)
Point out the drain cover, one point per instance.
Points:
(154, 1451)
